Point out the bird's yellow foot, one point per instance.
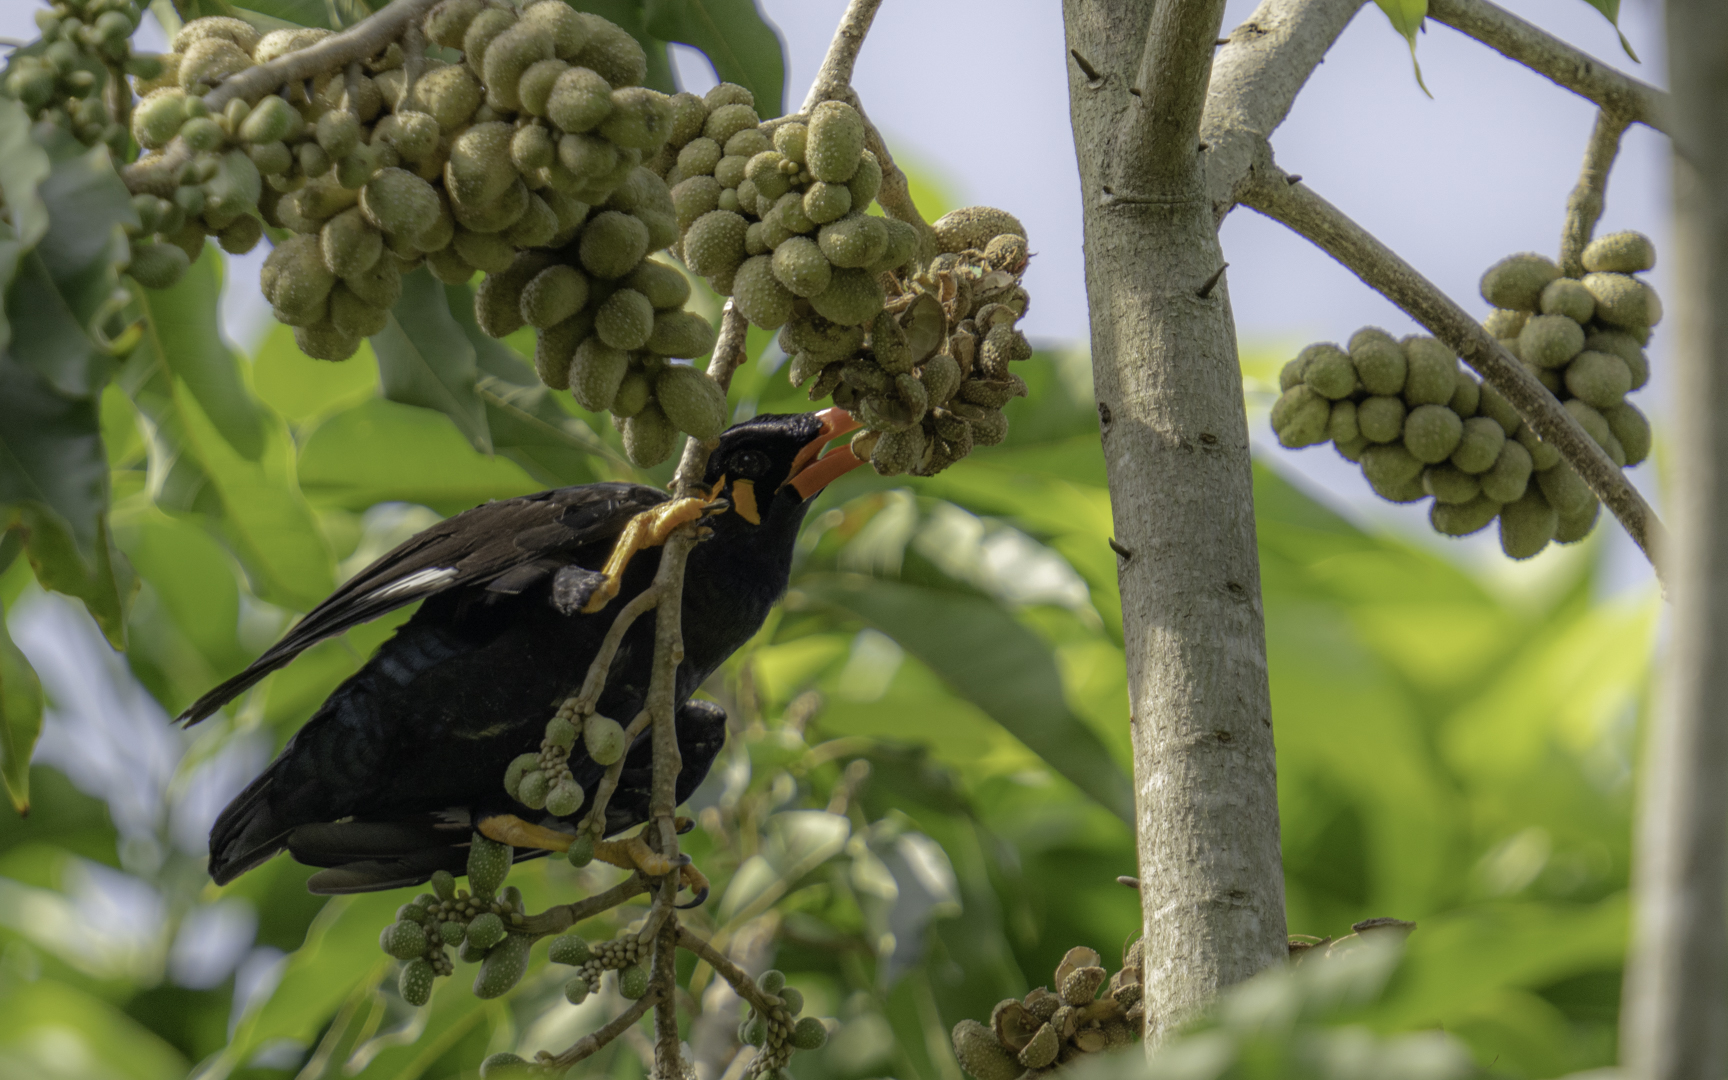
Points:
(631, 853)
(650, 528)
(512, 830)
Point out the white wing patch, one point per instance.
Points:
(419, 581)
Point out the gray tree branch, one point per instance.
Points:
(1584, 205)
(1674, 1022)
(1175, 438)
(1330, 229)
(1552, 58)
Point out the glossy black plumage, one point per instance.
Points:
(381, 786)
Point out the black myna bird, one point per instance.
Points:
(384, 784)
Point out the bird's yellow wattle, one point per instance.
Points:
(744, 501)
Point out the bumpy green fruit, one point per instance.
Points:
(663, 285)
(691, 401)
(486, 930)
(1572, 528)
(788, 213)
(648, 437)
(1381, 418)
(507, 1066)
(682, 334)
(1380, 364)
(488, 865)
(1502, 323)
(624, 320)
(730, 170)
(449, 95)
(1626, 347)
(1565, 490)
(852, 298)
(866, 182)
(1467, 396)
(579, 100)
(1341, 423)
(1621, 252)
(1598, 379)
(1517, 281)
(1300, 417)
(398, 202)
(338, 132)
(640, 118)
(1629, 426)
(497, 302)
(509, 55)
(612, 52)
(613, 243)
(633, 982)
(553, 295)
(1432, 376)
(1390, 465)
(1590, 419)
(595, 372)
(271, 120)
(1432, 432)
(1624, 301)
(855, 240)
(973, 227)
(603, 738)
(415, 982)
(531, 792)
(503, 967)
(158, 118)
(354, 316)
(809, 1034)
(1527, 525)
(156, 266)
(1565, 296)
(634, 393)
(484, 251)
(1480, 445)
(564, 798)
(1462, 519)
(537, 225)
(1328, 371)
(835, 142)
(569, 948)
(559, 23)
(978, 1052)
(714, 243)
(295, 276)
(403, 940)
(555, 348)
(728, 120)
(1550, 341)
(210, 61)
(1495, 407)
(827, 202)
(484, 29)
(519, 766)
(694, 197)
(1450, 484)
(699, 157)
(1542, 455)
(802, 268)
(446, 23)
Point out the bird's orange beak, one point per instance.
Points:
(810, 473)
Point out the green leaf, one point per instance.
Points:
(303, 389)
(23, 167)
(47, 1026)
(20, 719)
(383, 451)
(1406, 17)
(1610, 10)
(629, 15)
(991, 660)
(54, 491)
(743, 46)
(425, 359)
(182, 320)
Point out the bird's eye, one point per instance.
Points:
(749, 464)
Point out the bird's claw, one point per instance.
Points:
(650, 528)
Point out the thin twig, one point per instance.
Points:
(366, 38)
(558, 919)
(1382, 270)
(595, 821)
(668, 1057)
(741, 982)
(1547, 55)
(1584, 205)
(590, 1044)
(594, 684)
(835, 75)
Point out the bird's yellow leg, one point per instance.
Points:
(632, 853)
(650, 528)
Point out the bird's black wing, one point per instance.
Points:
(505, 546)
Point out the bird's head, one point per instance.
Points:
(770, 467)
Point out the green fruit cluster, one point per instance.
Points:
(1421, 426)
(60, 79)
(542, 780)
(777, 1031)
(626, 954)
(929, 373)
(1043, 1030)
(484, 926)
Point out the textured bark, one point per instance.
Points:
(1674, 1023)
(1175, 441)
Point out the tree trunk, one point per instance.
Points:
(1674, 1021)
(1175, 441)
